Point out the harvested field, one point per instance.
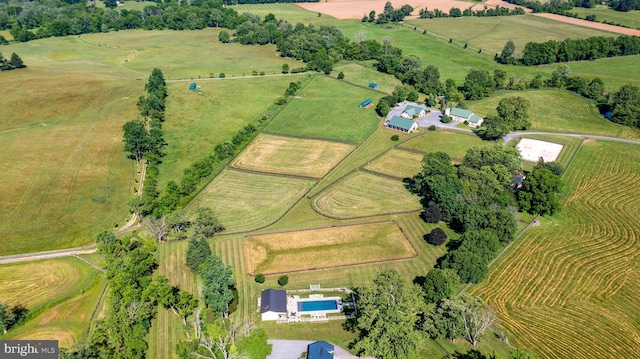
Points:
(592, 24)
(244, 201)
(577, 275)
(397, 163)
(294, 156)
(364, 194)
(327, 247)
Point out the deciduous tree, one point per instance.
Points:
(218, 283)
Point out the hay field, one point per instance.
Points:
(294, 156)
(327, 247)
(455, 144)
(491, 33)
(63, 173)
(244, 201)
(328, 108)
(197, 123)
(591, 24)
(397, 163)
(569, 287)
(559, 111)
(289, 11)
(630, 18)
(365, 194)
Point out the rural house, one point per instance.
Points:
(273, 304)
(320, 350)
(461, 115)
(401, 124)
(411, 111)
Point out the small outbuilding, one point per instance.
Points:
(401, 124)
(192, 86)
(373, 85)
(273, 304)
(366, 103)
(320, 350)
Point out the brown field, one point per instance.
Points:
(295, 156)
(397, 163)
(327, 247)
(349, 9)
(591, 24)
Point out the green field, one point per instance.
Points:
(362, 74)
(559, 111)
(397, 163)
(454, 143)
(244, 201)
(491, 33)
(577, 274)
(291, 12)
(60, 294)
(328, 108)
(629, 18)
(364, 194)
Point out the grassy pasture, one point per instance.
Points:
(294, 156)
(197, 123)
(244, 201)
(454, 143)
(397, 163)
(64, 176)
(604, 13)
(326, 247)
(559, 111)
(576, 275)
(292, 13)
(362, 73)
(491, 33)
(365, 194)
(328, 108)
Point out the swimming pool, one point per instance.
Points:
(314, 305)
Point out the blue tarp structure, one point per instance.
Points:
(366, 102)
(192, 86)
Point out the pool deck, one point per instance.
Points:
(295, 316)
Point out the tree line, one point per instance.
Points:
(596, 47)
(456, 12)
(561, 7)
(15, 62)
(389, 14)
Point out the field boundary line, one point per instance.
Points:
(95, 309)
(374, 173)
(360, 86)
(275, 174)
(341, 265)
(99, 269)
(308, 138)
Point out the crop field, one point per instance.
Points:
(576, 275)
(291, 12)
(455, 144)
(196, 123)
(397, 163)
(491, 33)
(294, 156)
(365, 194)
(362, 74)
(326, 248)
(231, 192)
(559, 111)
(328, 108)
(629, 18)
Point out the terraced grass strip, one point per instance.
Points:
(397, 163)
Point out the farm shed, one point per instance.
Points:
(365, 103)
(273, 304)
(461, 115)
(320, 350)
(401, 124)
(192, 86)
(373, 85)
(414, 110)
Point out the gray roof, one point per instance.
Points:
(320, 350)
(461, 112)
(273, 300)
(401, 122)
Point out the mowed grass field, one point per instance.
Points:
(290, 12)
(363, 73)
(397, 163)
(491, 33)
(629, 18)
(197, 123)
(63, 173)
(569, 287)
(559, 111)
(325, 248)
(364, 194)
(245, 201)
(294, 156)
(454, 143)
(59, 293)
(328, 108)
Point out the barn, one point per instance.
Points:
(401, 124)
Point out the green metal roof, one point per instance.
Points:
(475, 119)
(414, 109)
(401, 122)
(461, 112)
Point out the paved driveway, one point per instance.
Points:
(292, 349)
(432, 118)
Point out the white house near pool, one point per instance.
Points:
(273, 304)
(461, 115)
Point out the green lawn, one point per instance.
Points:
(291, 12)
(363, 73)
(328, 108)
(454, 143)
(603, 13)
(559, 111)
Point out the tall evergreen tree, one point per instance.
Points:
(197, 253)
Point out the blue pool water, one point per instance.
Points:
(317, 305)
